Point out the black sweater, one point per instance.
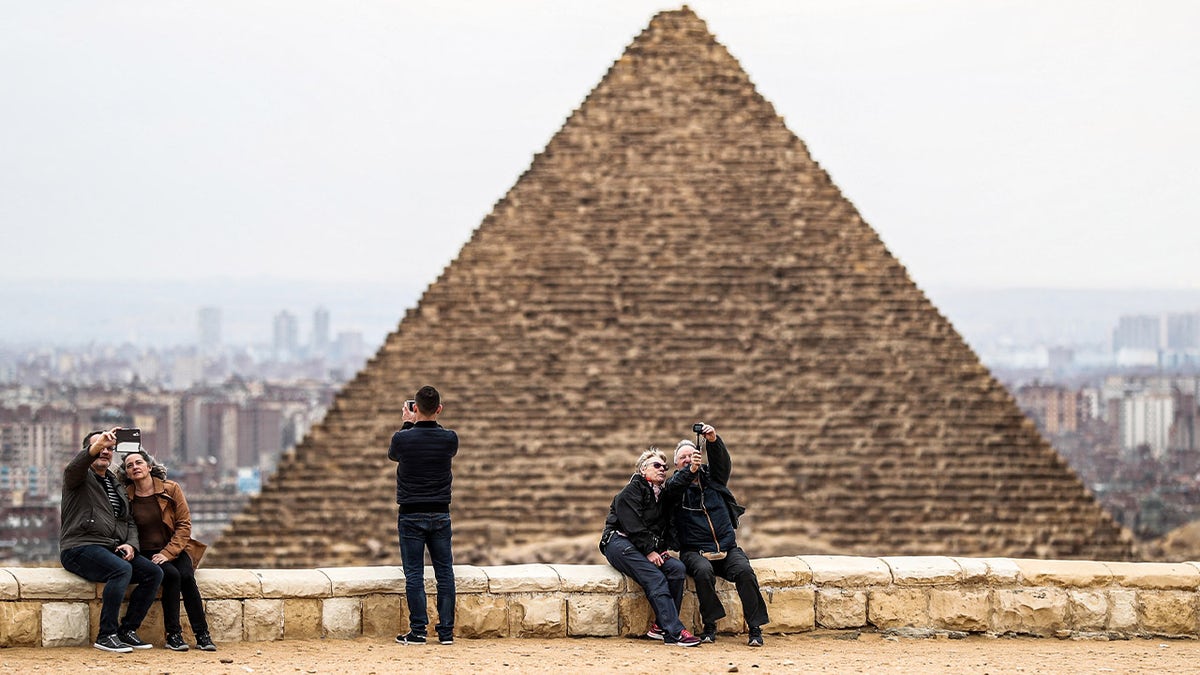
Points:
(423, 453)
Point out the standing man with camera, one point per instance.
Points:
(705, 517)
(423, 451)
(98, 541)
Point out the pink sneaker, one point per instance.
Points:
(685, 639)
(655, 633)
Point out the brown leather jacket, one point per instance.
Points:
(177, 518)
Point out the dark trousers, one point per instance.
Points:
(98, 564)
(663, 585)
(419, 531)
(180, 579)
(734, 567)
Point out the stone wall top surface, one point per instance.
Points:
(844, 570)
(1081, 573)
(9, 589)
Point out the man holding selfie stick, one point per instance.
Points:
(98, 541)
(423, 451)
(705, 517)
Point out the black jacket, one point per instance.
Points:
(638, 515)
(704, 516)
(423, 454)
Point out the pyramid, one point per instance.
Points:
(674, 254)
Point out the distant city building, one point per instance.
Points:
(1137, 340)
(209, 321)
(287, 332)
(1054, 408)
(1158, 412)
(319, 345)
(1183, 331)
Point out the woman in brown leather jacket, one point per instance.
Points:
(165, 532)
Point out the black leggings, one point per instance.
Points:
(180, 579)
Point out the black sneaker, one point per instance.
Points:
(709, 634)
(110, 643)
(175, 642)
(411, 638)
(446, 639)
(204, 642)
(131, 638)
(755, 638)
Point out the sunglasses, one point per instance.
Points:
(658, 465)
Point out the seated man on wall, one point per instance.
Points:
(705, 515)
(98, 541)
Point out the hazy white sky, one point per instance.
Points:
(990, 143)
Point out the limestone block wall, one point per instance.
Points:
(50, 607)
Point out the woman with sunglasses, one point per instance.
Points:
(634, 543)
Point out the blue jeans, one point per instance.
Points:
(663, 585)
(96, 563)
(419, 531)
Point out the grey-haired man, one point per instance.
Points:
(705, 517)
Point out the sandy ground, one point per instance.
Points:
(822, 652)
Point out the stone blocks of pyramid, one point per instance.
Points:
(674, 254)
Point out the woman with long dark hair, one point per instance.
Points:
(165, 531)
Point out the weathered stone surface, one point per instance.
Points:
(302, 618)
(896, 607)
(1087, 609)
(847, 571)
(1167, 612)
(1073, 573)
(636, 614)
(364, 580)
(224, 619)
(21, 624)
(52, 583)
(787, 571)
(1002, 571)
(538, 615)
(734, 620)
(469, 579)
(791, 609)
(966, 609)
(532, 578)
(9, 589)
(923, 570)
(385, 614)
(341, 617)
(228, 584)
(841, 608)
(65, 624)
(1030, 611)
(262, 619)
(294, 583)
(589, 578)
(481, 615)
(592, 615)
(1122, 610)
(974, 570)
(1177, 576)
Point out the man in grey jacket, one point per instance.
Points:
(98, 541)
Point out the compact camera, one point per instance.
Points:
(129, 436)
(698, 428)
(410, 405)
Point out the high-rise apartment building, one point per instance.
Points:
(1183, 331)
(319, 346)
(287, 333)
(209, 323)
